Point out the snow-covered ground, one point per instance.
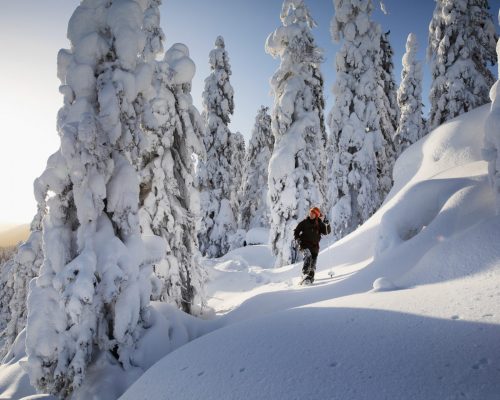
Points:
(406, 307)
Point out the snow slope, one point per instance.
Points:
(406, 307)
(434, 335)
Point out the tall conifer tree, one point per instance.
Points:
(94, 285)
(389, 115)
(297, 166)
(356, 137)
(411, 122)
(215, 174)
(254, 212)
(169, 197)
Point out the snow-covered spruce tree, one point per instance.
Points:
(169, 201)
(94, 285)
(387, 80)
(461, 44)
(411, 122)
(491, 151)
(237, 143)
(254, 210)
(237, 166)
(215, 179)
(298, 163)
(354, 120)
(389, 115)
(6, 290)
(168, 195)
(7, 277)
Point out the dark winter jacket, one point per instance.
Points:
(308, 233)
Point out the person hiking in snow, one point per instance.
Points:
(308, 234)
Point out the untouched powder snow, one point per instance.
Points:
(405, 307)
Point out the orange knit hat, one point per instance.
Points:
(316, 211)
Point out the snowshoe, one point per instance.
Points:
(306, 281)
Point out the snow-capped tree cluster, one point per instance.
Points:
(367, 130)
(298, 163)
(218, 177)
(6, 290)
(16, 276)
(462, 42)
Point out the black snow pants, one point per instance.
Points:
(309, 267)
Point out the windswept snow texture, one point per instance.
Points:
(405, 307)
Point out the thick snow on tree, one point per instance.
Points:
(237, 167)
(411, 121)
(298, 164)
(6, 290)
(237, 143)
(387, 80)
(254, 210)
(215, 171)
(389, 115)
(154, 36)
(461, 45)
(168, 195)
(23, 267)
(491, 150)
(7, 277)
(94, 285)
(355, 137)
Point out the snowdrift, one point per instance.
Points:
(406, 307)
(428, 331)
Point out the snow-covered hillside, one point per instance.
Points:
(405, 307)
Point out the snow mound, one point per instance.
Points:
(106, 379)
(326, 353)
(383, 284)
(257, 236)
(455, 143)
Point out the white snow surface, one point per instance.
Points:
(405, 307)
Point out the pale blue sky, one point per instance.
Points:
(32, 32)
